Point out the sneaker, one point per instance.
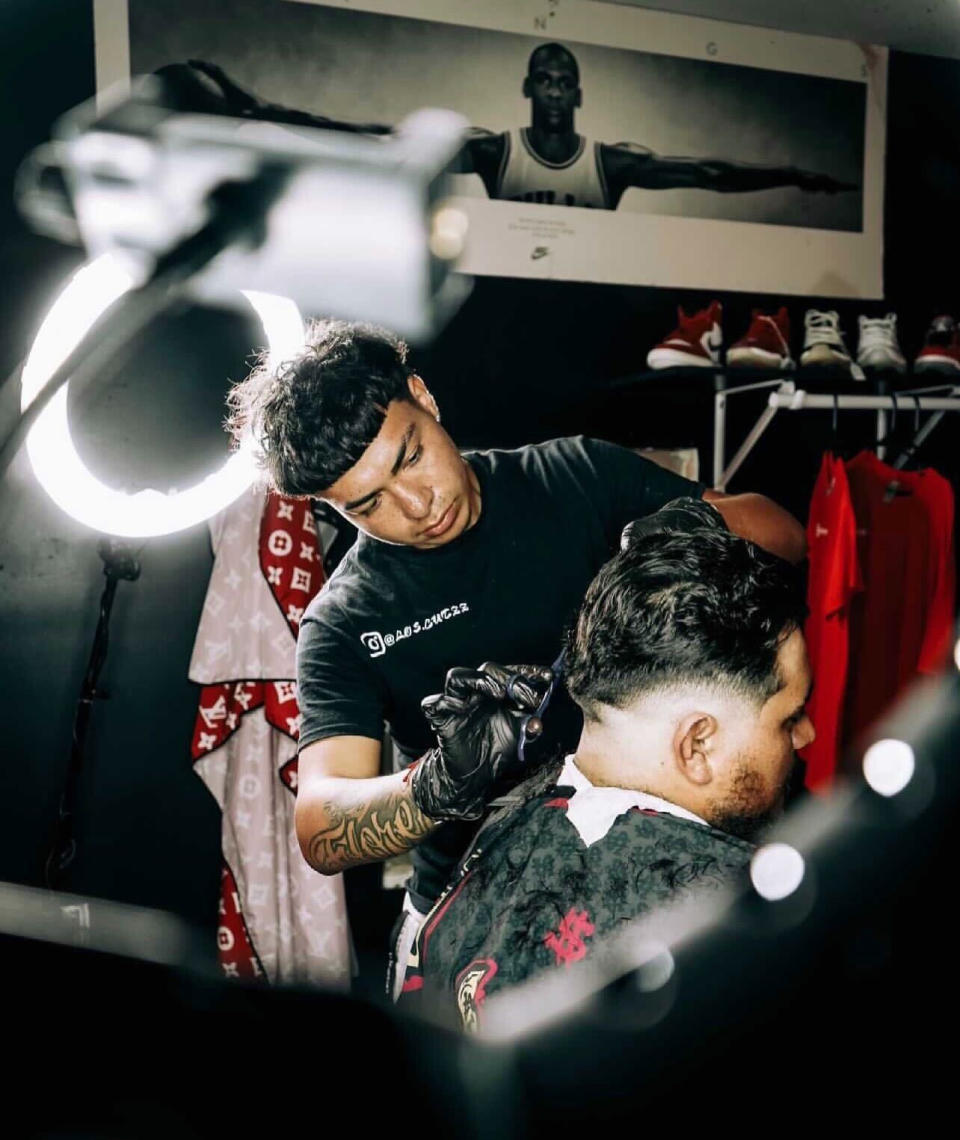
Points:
(879, 349)
(941, 349)
(766, 345)
(823, 345)
(696, 342)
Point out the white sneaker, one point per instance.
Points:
(823, 345)
(878, 348)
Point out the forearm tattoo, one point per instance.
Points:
(368, 832)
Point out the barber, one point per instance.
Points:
(461, 558)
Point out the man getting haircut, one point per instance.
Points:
(688, 661)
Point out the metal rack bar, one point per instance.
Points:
(789, 398)
(720, 426)
(753, 437)
(800, 400)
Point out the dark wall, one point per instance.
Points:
(523, 361)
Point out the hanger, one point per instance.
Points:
(833, 446)
(835, 443)
(906, 456)
(835, 424)
(893, 487)
(891, 426)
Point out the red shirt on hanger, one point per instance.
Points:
(834, 579)
(902, 624)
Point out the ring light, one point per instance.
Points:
(53, 456)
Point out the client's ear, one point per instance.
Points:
(691, 747)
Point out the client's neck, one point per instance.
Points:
(623, 751)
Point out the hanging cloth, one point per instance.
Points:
(901, 625)
(278, 918)
(834, 579)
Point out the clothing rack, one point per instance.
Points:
(788, 397)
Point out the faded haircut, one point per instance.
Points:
(704, 609)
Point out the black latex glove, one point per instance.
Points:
(679, 516)
(477, 720)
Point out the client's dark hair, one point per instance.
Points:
(703, 608)
(314, 416)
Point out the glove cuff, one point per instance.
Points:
(436, 795)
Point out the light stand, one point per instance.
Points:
(119, 563)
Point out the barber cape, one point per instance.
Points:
(278, 919)
(546, 881)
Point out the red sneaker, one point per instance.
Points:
(766, 345)
(696, 342)
(941, 350)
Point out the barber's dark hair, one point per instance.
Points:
(314, 416)
(702, 608)
(554, 49)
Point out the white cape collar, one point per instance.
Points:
(592, 809)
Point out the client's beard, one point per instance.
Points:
(745, 825)
(738, 816)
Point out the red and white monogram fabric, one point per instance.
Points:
(278, 918)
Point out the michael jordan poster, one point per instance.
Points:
(607, 143)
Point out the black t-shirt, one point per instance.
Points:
(392, 620)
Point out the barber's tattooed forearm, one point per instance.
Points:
(365, 833)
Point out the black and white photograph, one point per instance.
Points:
(649, 135)
(785, 129)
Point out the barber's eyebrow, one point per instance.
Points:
(397, 464)
(401, 454)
